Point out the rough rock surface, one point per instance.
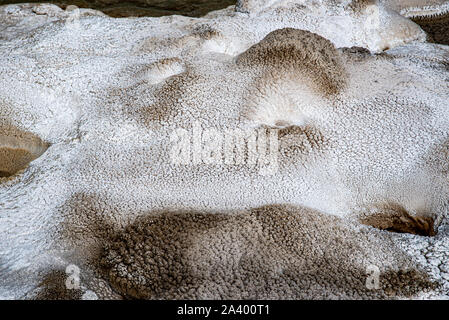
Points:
(128, 121)
(272, 252)
(139, 8)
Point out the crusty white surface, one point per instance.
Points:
(107, 93)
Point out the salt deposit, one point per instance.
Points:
(343, 113)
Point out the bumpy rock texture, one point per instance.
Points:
(136, 186)
(139, 8)
(432, 16)
(272, 252)
(309, 55)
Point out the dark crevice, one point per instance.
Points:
(4, 174)
(394, 218)
(437, 28)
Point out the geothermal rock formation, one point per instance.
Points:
(272, 149)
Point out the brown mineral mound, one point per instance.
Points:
(18, 150)
(270, 252)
